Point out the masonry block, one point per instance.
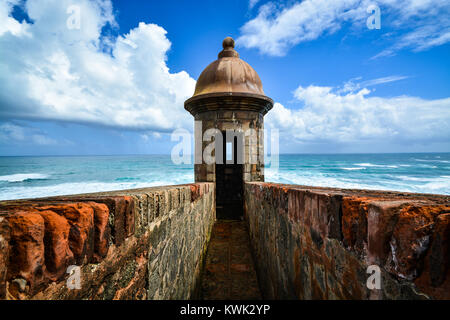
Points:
(411, 239)
(80, 216)
(102, 230)
(323, 243)
(435, 276)
(58, 254)
(26, 256)
(354, 223)
(382, 218)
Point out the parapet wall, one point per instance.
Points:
(317, 243)
(134, 244)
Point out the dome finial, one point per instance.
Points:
(228, 42)
(228, 48)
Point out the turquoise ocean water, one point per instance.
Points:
(28, 177)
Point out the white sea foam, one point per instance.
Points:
(20, 177)
(316, 179)
(375, 165)
(439, 185)
(21, 192)
(409, 178)
(351, 169)
(427, 166)
(432, 160)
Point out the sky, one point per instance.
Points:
(101, 77)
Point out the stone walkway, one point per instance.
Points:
(229, 272)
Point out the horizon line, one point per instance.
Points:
(168, 154)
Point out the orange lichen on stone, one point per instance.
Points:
(81, 219)
(40, 238)
(102, 230)
(58, 255)
(26, 259)
(381, 221)
(435, 277)
(412, 237)
(354, 220)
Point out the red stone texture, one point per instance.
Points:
(26, 257)
(435, 277)
(102, 230)
(419, 248)
(354, 222)
(40, 238)
(309, 243)
(382, 218)
(80, 216)
(46, 239)
(58, 255)
(320, 246)
(121, 216)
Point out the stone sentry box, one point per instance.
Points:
(229, 102)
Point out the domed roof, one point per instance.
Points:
(228, 74)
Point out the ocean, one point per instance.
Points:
(30, 177)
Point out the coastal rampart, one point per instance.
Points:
(134, 244)
(318, 243)
(307, 243)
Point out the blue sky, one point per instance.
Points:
(116, 85)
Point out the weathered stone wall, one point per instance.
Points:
(134, 244)
(242, 122)
(316, 243)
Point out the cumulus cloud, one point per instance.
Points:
(51, 72)
(421, 24)
(325, 115)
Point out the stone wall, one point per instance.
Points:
(134, 244)
(248, 127)
(316, 243)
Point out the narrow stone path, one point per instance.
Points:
(229, 272)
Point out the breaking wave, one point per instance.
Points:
(21, 177)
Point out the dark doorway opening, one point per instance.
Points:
(229, 182)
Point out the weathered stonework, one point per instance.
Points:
(316, 243)
(133, 244)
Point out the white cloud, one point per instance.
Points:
(42, 140)
(51, 72)
(353, 84)
(12, 134)
(421, 24)
(252, 3)
(355, 117)
(9, 132)
(382, 80)
(9, 24)
(421, 39)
